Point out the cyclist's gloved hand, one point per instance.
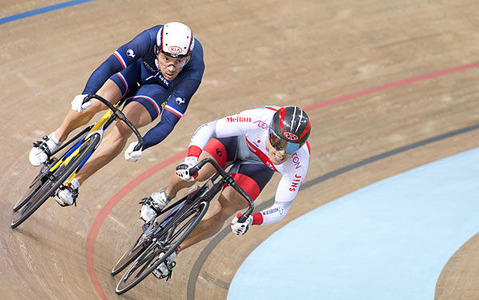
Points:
(78, 105)
(131, 155)
(241, 228)
(183, 170)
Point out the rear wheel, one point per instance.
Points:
(46, 183)
(166, 241)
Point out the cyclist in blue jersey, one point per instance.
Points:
(157, 73)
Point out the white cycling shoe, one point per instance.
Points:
(43, 149)
(67, 196)
(165, 268)
(153, 205)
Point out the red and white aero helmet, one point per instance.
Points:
(289, 129)
(175, 39)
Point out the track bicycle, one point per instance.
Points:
(171, 227)
(57, 173)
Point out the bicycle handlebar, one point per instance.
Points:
(230, 181)
(121, 116)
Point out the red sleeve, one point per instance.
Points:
(257, 218)
(194, 151)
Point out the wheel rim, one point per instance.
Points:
(149, 259)
(48, 187)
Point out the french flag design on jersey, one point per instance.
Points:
(120, 59)
(174, 110)
(125, 89)
(158, 109)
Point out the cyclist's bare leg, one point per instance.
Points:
(229, 202)
(73, 119)
(114, 142)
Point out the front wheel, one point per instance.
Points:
(138, 247)
(45, 185)
(167, 242)
(34, 186)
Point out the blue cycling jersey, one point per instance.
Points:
(134, 65)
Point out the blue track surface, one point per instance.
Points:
(389, 240)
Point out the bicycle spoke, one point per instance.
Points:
(128, 258)
(180, 224)
(141, 244)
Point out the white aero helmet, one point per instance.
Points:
(175, 39)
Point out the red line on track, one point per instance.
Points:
(390, 86)
(105, 211)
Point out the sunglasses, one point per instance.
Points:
(281, 144)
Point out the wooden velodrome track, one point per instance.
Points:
(375, 76)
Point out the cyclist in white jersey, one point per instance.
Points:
(257, 143)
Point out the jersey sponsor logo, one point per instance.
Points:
(157, 74)
(199, 129)
(295, 184)
(296, 160)
(239, 119)
(278, 209)
(130, 53)
(174, 49)
(162, 79)
(261, 124)
(149, 68)
(180, 100)
(290, 136)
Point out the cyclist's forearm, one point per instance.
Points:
(271, 215)
(285, 193)
(158, 133)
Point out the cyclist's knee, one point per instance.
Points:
(96, 106)
(221, 212)
(203, 175)
(231, 201)
(122, 131)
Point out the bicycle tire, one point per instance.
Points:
(169, 241)
(145, 239)
(48, 184)
(31, 190)
(142, 243)
(34, 185)
(130, 255)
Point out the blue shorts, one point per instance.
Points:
(134, 87)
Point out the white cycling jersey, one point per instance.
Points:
(253, 126)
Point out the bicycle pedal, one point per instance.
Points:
(159, 275)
